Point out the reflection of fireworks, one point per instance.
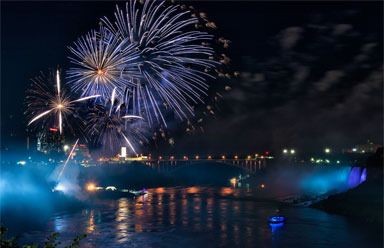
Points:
(49, 102)
(104, 64)
(172, 61)
(112, 129)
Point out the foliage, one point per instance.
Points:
(50, 243)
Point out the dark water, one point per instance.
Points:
(204, 217)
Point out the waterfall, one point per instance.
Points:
(363, 175)
(354, 177)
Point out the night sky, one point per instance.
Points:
(311, 72)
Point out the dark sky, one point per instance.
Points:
(311, 72)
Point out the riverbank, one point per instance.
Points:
(365, 202)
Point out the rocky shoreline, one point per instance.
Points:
(365, 202)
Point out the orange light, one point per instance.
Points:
(236, 157)
(262, 186)
(249, 156)
(160, 157)
(99, 71)
(60, 105)
(160, 190)
(223, 157)
(193, 190)
(262, 157)
(185, 157)
(91, 187)
(256, 155)
(172, 157)
(197, 157)
(209, 157)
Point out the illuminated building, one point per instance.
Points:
(38, 144)
(123, 152)
(80, 150)
(50, 141)
(365, 148)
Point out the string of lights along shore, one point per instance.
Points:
(151, 63)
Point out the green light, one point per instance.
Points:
(337, 162)
(327, 161)
(312, 159)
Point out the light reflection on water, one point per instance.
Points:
(201, 217)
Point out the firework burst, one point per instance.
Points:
(173, 61)
(110, 127)
(104, 62)
(48, 103)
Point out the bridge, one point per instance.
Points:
(165, 165)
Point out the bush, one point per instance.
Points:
(50, 243)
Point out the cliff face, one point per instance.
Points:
(364, 202)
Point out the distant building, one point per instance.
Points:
(50, 141)
(39, 144)
(81, 150)
(123, 152)
(366, 148)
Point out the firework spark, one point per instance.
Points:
(66, 162)
(50, 103)
(104, 63)
(110, 128)
(171, 62)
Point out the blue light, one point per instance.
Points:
(363, 175)
(276, 219)
(354, 177)
(275, 226)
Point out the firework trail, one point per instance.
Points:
(50, 103)
(172, 59)
(104, 63)
(153, 50)
(111, 128)
(66, 162)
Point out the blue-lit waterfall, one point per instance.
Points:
(324, 180)
(354, 177)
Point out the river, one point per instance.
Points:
(203, 217)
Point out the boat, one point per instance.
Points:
(276, 219)
(138, 192)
